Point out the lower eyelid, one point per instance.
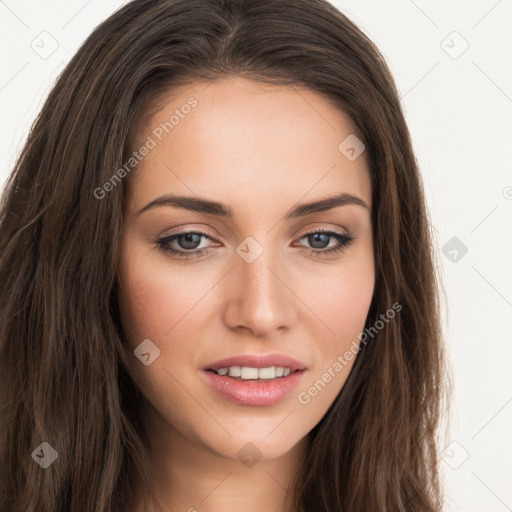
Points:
(344, 240)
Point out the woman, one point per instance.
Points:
(219, 284)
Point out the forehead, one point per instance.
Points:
(243, 141)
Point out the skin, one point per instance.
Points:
(261, 150)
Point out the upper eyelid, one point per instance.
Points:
(208, 234)
(201, 232)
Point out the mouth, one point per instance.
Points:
(248, 373)
(254, 379)
(246, 390)
(256, 366)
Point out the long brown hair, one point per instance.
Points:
(63, 358)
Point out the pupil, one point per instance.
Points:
(321, 238)
(190, 238)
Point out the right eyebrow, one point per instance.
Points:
(195, 204)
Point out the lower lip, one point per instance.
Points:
(253, 392)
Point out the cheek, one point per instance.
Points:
(146, 306)
(154, 300)
(341, 305)
(347, 309)
(341, 298)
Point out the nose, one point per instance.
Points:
(260, 298)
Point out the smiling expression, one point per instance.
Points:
(247, 232)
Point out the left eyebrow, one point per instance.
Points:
(219, 209)
(325, 204)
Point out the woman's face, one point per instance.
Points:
(253, 277)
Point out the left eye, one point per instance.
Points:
(189, 243)
(320, 240)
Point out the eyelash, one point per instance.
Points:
(345, 240)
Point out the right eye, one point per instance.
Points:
(184, 244)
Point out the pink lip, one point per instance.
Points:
(257, 361)
(253, 392)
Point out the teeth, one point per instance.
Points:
(247, 372)
(267, 373)
(234, 371)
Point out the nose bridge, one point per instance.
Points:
(261, 302)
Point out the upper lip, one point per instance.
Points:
(257, 361)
